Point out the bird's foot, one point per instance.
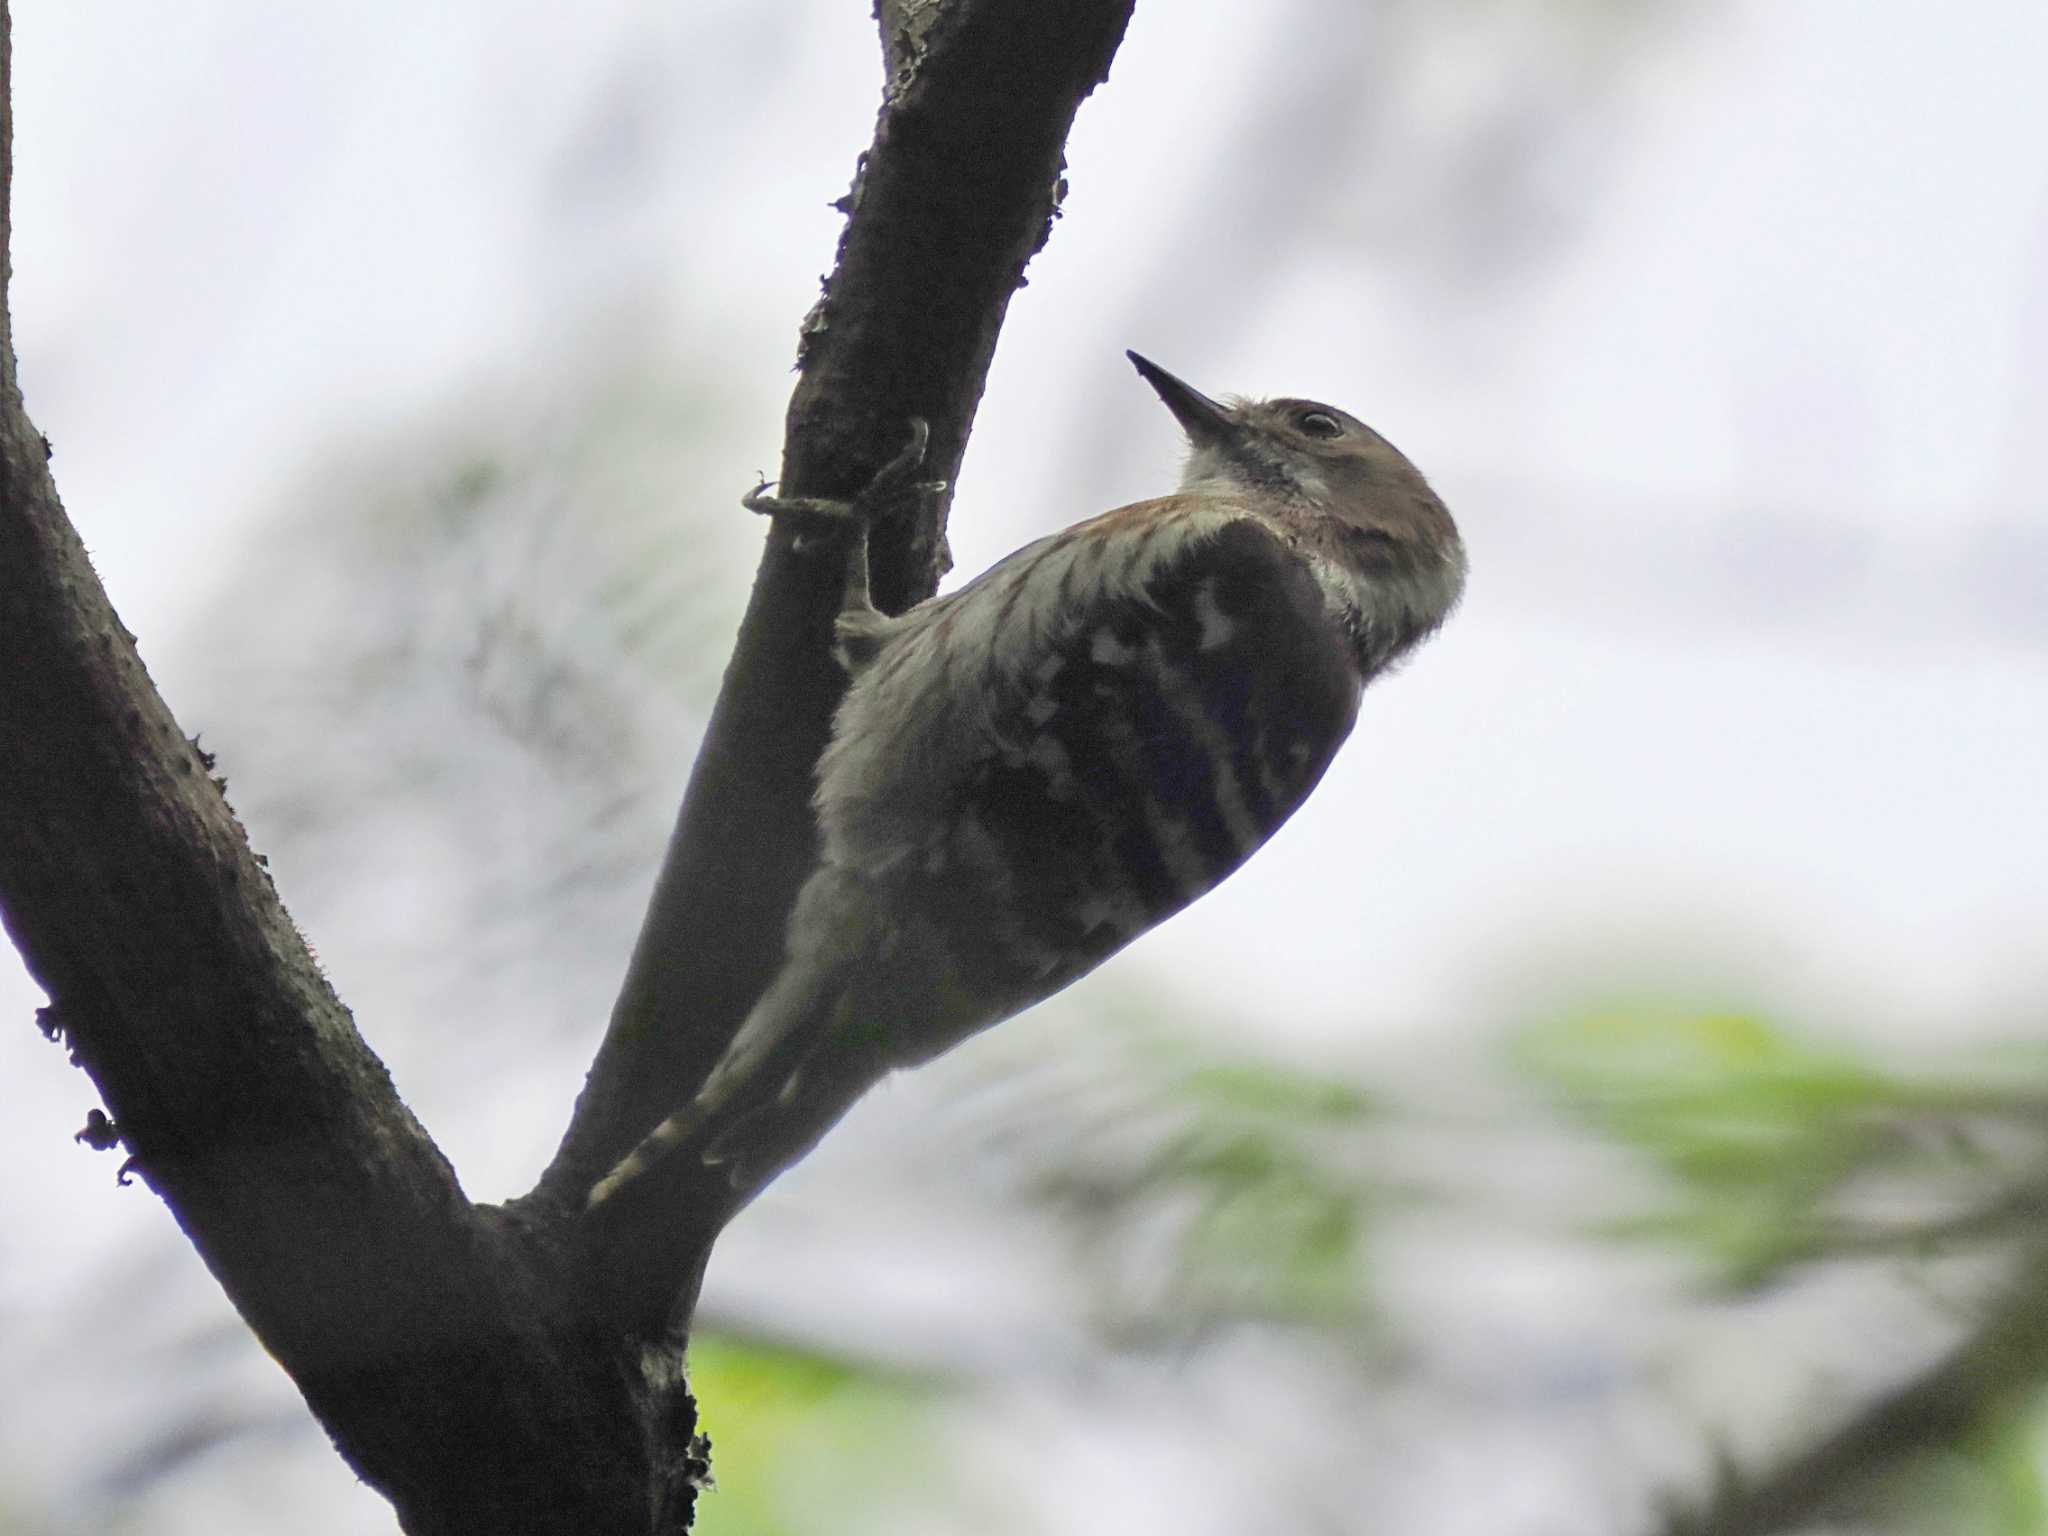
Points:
(895, 482)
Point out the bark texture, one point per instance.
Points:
(511, 1369)
(956, 193)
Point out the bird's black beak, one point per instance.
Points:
(1201, 418)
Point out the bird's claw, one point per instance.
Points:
(895, 478)
(893, 483)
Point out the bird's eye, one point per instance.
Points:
(1319, 424)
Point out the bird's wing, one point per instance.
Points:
(1030, 773)
(1092, 734)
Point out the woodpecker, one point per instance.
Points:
(1028, 773)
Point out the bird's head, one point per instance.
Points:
(1314, 457)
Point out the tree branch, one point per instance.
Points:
(954, 197)
(505, 1370)
(2001, 1364)
(436, 1341)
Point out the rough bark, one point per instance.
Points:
(957, 192)
(505, 1370)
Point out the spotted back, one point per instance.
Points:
(1133, 745)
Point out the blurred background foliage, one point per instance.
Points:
(1783, 1152)
(1615, 1106)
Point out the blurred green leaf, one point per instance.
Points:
(1985, 1482)
(1219, 1191)
(1262, 1088)
(2008, 1455)
(1768, 1137)
(798, 1437)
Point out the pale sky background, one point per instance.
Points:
(1722, 328)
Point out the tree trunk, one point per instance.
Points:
(506, 1369)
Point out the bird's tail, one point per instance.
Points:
(766, 1103)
